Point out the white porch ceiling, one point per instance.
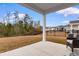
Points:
(47, 7)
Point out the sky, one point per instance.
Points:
(57, 18)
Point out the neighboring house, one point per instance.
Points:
(67, 27)
(60, 28)
(57, 28)
(73, 25)
(50, 28)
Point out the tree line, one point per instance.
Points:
(19, 26)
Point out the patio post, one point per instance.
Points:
(78, 26)
(44, 26)
(71, 28)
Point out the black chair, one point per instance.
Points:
(70, 38)
(75, 41)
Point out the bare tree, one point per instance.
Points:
(16, 16)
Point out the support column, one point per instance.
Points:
(44, 26)
(71, 28)
(78, 26)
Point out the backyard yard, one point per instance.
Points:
(58, 37)
(10, 43)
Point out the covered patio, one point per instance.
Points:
(40, 49)
(45, 9)
(43, 47)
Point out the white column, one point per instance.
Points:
(78, 26)
(44, 26)
(71, 28)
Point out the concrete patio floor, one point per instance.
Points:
(40, 49)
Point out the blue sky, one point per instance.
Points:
(53, 19)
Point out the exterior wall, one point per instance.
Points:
(74, 26)
(67, 28)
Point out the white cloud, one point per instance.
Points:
(65, 22)
(12, 16)
(21, 15)
(69, 11)
(1, 20)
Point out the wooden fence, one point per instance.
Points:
(56, 33)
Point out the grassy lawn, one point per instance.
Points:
(56, 39)
(10, 43)
(59, 37)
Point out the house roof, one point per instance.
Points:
(75, 21)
